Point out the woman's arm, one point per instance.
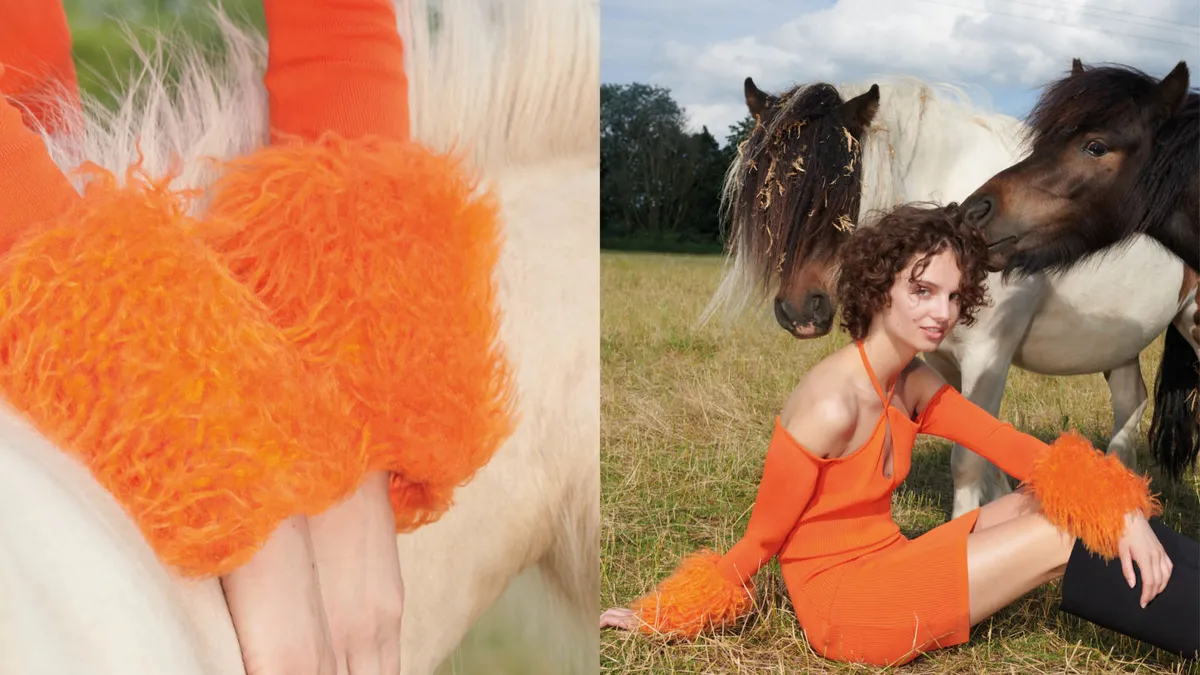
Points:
(946, 413)
(1080, 490)
(708, 589)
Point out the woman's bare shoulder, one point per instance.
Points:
(821, 413)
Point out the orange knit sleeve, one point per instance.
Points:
(35, 52)
(788, 484)
(336, 65)
(951, 416)
(1081, 490)
(709, 590)
(32, 188)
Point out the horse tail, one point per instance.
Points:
(1175, 428)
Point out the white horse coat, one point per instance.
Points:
(515, 84)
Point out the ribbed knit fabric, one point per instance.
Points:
(35, 53)
(861, 590)
(32, 189)
(336, 65)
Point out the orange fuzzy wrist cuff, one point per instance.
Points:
(693, 599)
(128, 344)
(1088, 494)
(377, 259)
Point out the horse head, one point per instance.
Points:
(793, 196)
(1101, 168)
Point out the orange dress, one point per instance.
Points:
(862, 591)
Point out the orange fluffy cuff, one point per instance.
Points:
(377, 258)
(128, 344)
(1088, 494)
(695, 598)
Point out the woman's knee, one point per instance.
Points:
(1009, 507)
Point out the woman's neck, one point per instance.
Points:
(887, 356)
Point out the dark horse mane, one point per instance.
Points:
(1093, 97)
(795, 184)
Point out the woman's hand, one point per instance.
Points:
(618, 617)
(275, 602)
(1139, 544)
(359, 567)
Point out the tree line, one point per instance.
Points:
(660, 185)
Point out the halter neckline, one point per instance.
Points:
(886, 398)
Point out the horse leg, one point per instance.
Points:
(1175, 426)
(1129, 400)
(976, 480)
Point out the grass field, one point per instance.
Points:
(687, 417)
(524, 633)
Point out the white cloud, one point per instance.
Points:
(703, 51)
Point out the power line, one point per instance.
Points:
(1063, 24)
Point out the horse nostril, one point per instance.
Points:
(978, 210)
(820, 307)
(784, 314)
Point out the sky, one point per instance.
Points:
(1000, 52)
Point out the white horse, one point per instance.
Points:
(921, 144)
(516, 84)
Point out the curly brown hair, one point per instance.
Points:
(872, 257)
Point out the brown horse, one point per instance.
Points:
(1115, 154)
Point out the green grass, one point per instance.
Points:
(687, 417)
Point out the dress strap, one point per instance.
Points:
(886, 398)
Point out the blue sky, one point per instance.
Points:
(999, 52)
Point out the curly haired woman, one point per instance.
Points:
(843, 442)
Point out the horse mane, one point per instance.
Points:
(216, 108)
(910, 111)
(771, 216)
(481, 70)
(1093, 98)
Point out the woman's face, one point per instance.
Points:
(923, 312)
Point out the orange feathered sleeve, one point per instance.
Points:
(377, 258)
(35, 54)
(376, 255)
(1081, 490)
(128, 344)
(708, 590)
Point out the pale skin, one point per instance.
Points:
(324, 596)
(833, 410)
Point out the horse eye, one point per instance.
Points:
(1096, 148)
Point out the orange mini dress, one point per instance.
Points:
(861, 590)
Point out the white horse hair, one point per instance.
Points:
(927, 142)
(515, 85)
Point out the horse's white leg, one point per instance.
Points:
(1129, 399)
(976, 480)
(985, 354)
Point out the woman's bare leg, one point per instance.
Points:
(1009, 559)
(1013, 505)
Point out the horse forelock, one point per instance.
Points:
(1094, 98)
(793, 190)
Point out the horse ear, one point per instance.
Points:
(1172, 92)
(1076, 67)
(860, 110)
(756, 99)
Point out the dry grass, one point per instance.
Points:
(524, 633)
(686, 421)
